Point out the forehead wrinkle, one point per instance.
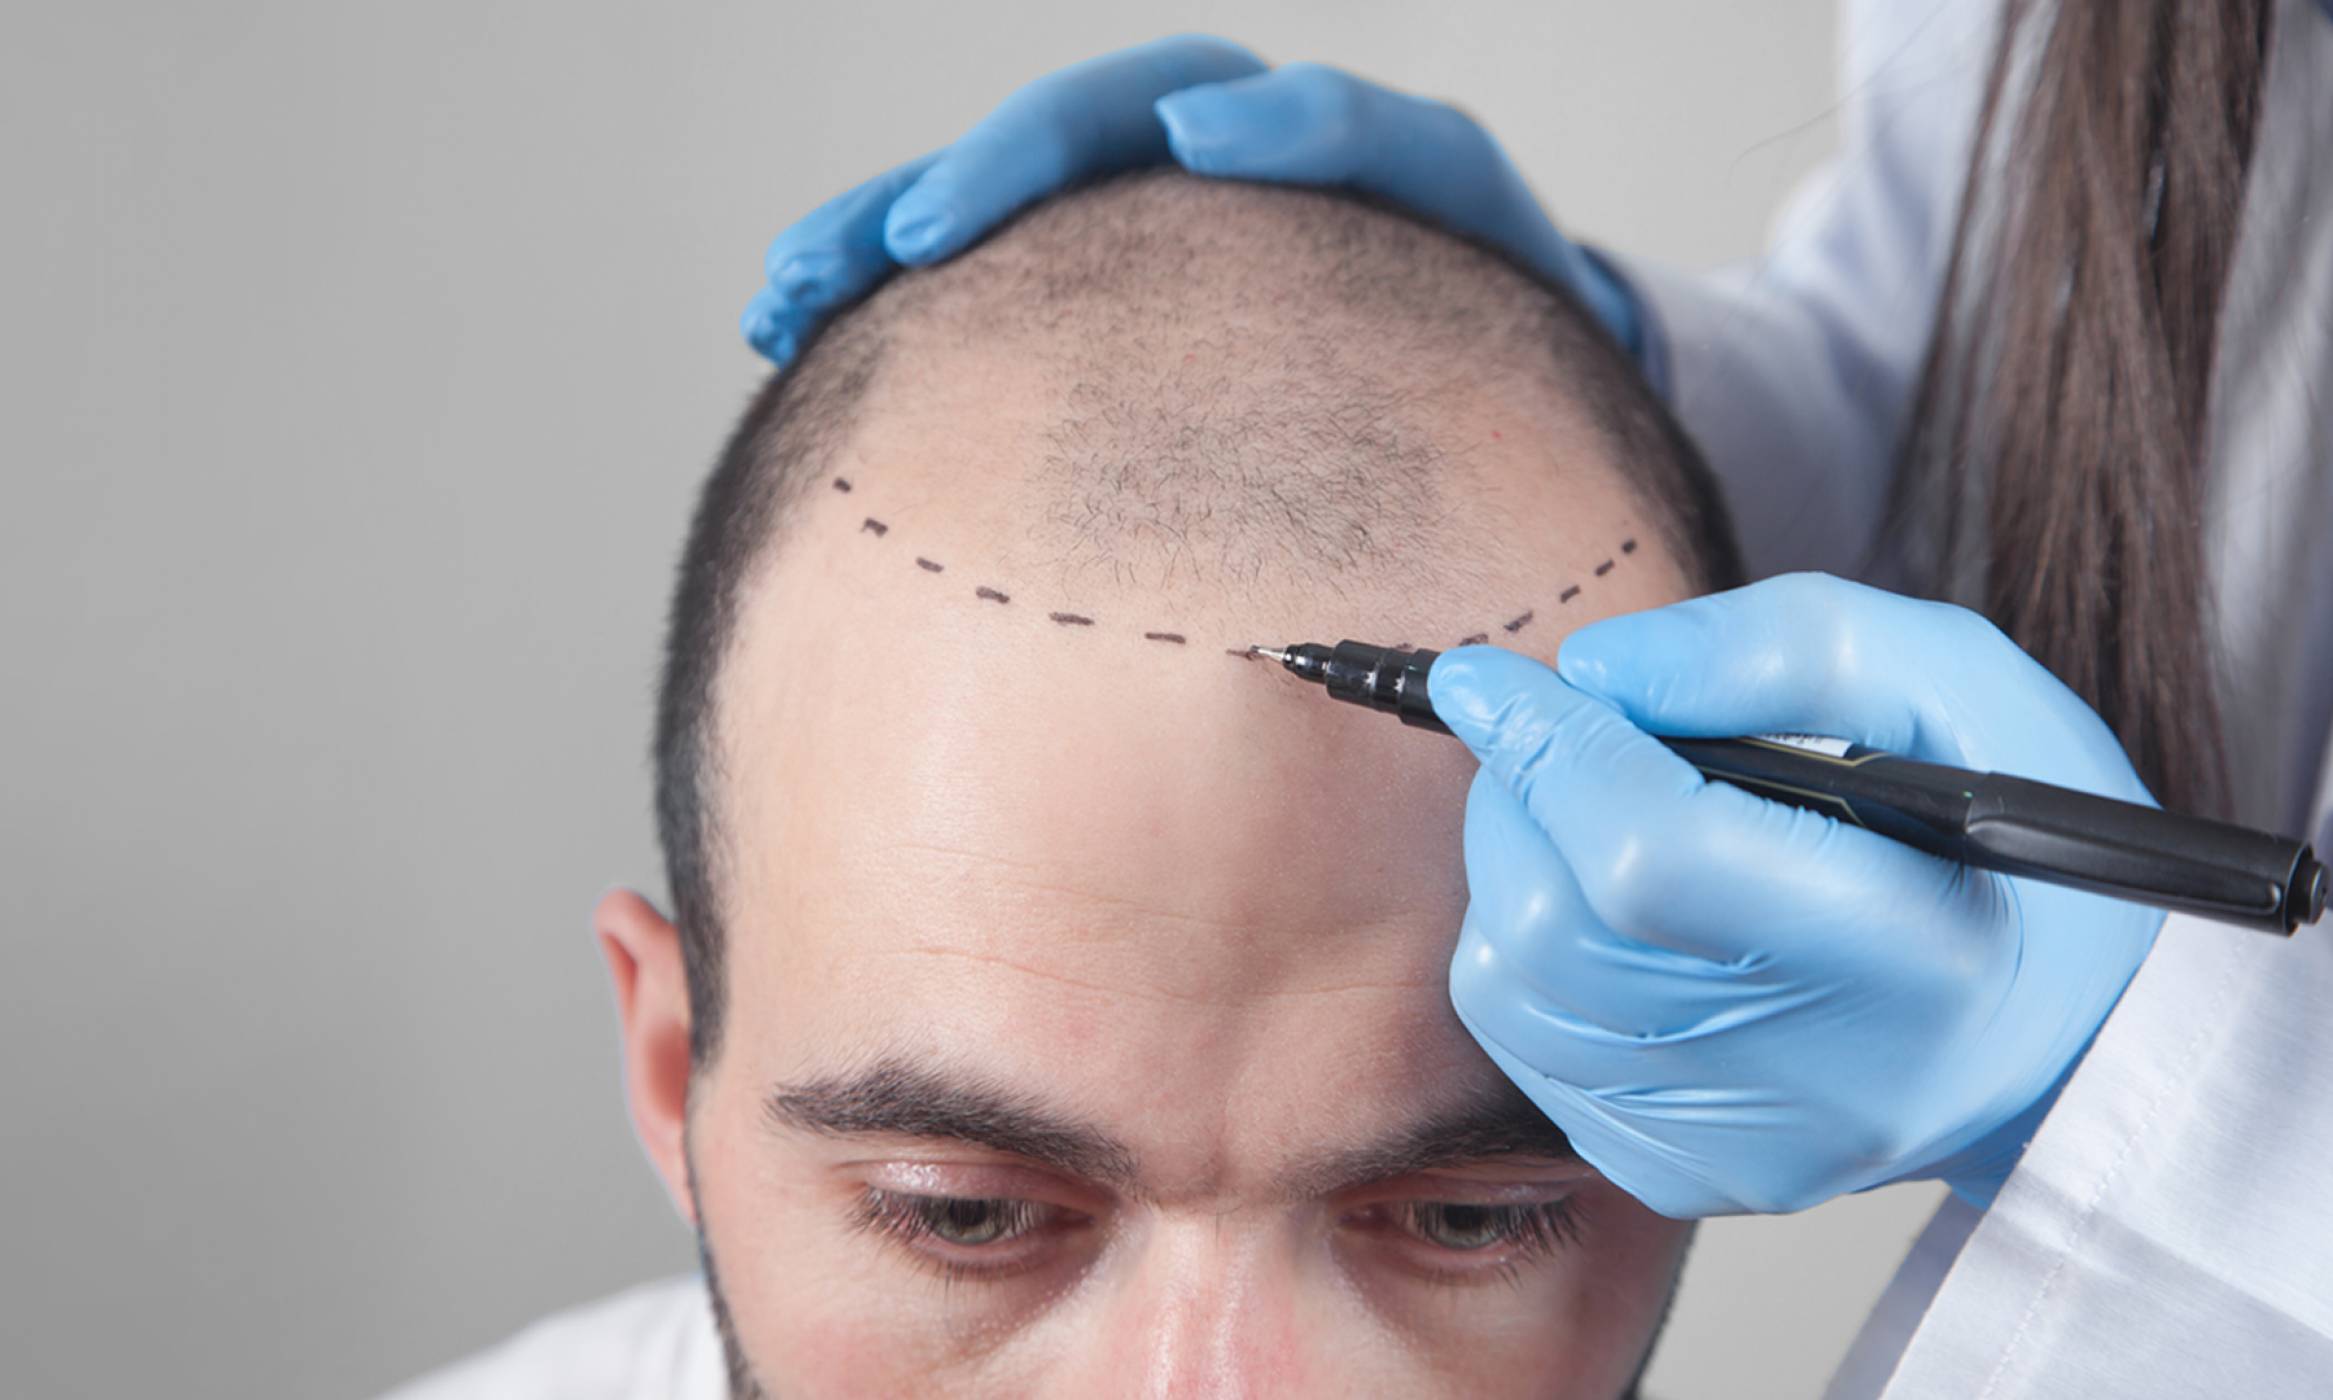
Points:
(1162, 994)
(1150, 910)
(1041, 881)
(1033, 876)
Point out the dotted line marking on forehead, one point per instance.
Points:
(870, 525)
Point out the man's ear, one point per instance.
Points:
(652, 1005)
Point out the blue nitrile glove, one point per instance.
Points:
(1212, 106)
(1734, 1005)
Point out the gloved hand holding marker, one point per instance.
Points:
(1732, 1004)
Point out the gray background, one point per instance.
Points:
(360, 361)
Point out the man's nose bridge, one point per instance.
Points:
(1212, 1312)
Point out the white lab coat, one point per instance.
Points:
(2169, 1232)
(652, 1342)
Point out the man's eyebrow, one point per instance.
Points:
(1500, 1122)
(897, 1098)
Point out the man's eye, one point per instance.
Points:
(1468, 1228)
(973, 1222)
(966, 1222)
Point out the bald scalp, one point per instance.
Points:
(1243, 387)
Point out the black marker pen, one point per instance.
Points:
(1988, 820)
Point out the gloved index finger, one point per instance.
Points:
(1305, 123)
(1798, 653)
(1808, 653)
(1086, 120)
(832, 255)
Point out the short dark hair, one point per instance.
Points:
(1324, 464)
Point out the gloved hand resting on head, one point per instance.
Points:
(1733, 1005)
(1217, 110)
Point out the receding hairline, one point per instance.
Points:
(1111, 253)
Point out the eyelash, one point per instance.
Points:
(912, 1220)
(1532, 1232)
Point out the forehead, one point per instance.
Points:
(976, 775)
(1145, 907)
(1038, 822)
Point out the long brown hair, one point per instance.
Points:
(2057, 432)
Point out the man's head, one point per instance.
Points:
(1057, 999)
